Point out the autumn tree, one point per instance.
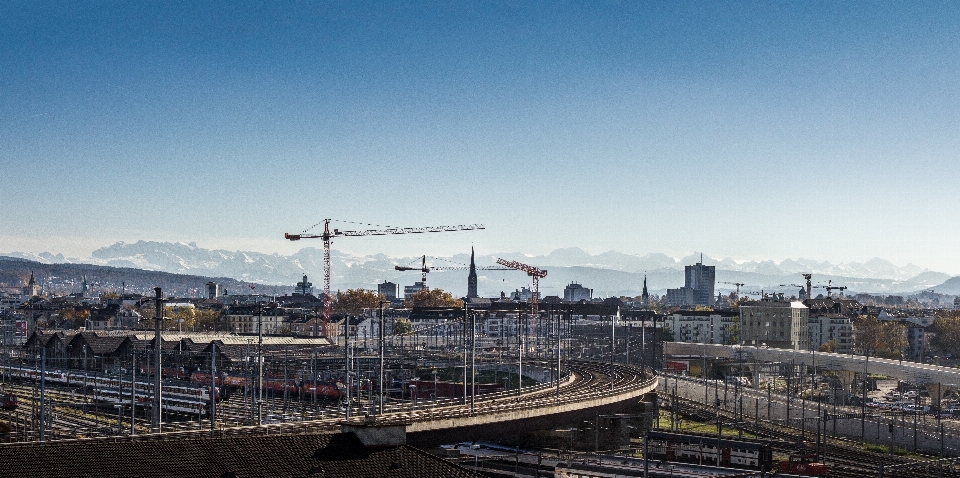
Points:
(73, 318)
(829, 346)
(946, 332)
(354, 301)
(879, 339)
(432, 298)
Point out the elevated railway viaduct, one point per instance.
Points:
(586, 390)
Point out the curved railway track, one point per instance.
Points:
(584, 381)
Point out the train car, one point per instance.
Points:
(709, 451)
(322, 389)
(9, 402)
(804, 465)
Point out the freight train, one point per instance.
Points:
(322, 389)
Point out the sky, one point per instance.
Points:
(751, 130)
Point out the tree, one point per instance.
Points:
(402, 327)
(73, 318)
(946, 332)
(432, 298)
(354, 301)
(734, 333)
(205, 320)
(879, 339)
(829, 346)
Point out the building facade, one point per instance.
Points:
(710, 327)
(776, 323)
(698, 287)
(576, 292)
(823, 329)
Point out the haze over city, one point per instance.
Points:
(754, 130)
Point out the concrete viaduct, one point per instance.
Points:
(918, 373)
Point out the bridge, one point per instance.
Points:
(913, 372)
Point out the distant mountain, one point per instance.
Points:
(67, 278)
(609, 273)
(950, 286)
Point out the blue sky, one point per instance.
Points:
(751, 130)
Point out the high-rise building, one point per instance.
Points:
(576, 292)
(388, 290)
(701, 279)
(304, 287)
(472, 279)
(698, 286)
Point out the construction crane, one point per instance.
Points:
(830, 288)
(424, 269)
(738, 284)
(535, 274)
(328, 236)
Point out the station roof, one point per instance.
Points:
(314, 455)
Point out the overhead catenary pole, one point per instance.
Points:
(133, 396)
(213, 387)
(473, 361)
(381, 356)
(259, 363)
(43, 390)
(346, 363)
(157, 362)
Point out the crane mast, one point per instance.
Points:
(424, 269)
(328, 236)
(535, 274)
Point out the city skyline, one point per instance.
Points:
(754, 131)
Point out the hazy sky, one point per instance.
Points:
(753, 130)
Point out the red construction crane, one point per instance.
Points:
(535, 274)
(424, 269)
(328, 236)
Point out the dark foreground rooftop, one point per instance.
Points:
(328, 455)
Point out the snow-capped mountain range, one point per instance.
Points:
(610, 273)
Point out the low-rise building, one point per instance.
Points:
(711, 327)
(775, 322)
(826, 328)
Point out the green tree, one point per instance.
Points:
(432, 298)
(734, 333)
(354, 301)
(402, 327)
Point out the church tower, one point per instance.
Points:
(645, 297)
(472, 279)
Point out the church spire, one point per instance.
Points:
(472, 278)
(644, 297)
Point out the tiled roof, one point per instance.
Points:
(328, 455)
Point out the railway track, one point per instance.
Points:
(846, 458)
